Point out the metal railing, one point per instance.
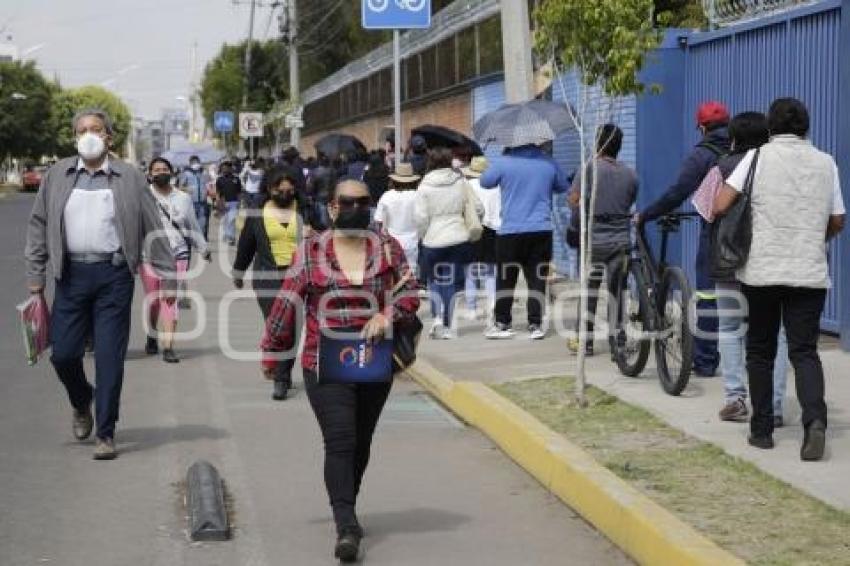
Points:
(725, 12)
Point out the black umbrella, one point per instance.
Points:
(333, 145)
(440, 136)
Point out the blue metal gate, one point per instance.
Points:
(795, 53)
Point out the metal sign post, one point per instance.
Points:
(397, 94)
(396, 15)
(250, 127)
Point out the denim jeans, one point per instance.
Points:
(732, 349)
(230, 212)
(485, 273)
(445, 271)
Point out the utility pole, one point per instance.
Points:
(294, 85)
(248, 54)
(516, 45)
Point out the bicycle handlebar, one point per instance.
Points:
(607, 217)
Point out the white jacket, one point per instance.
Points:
(442, 199)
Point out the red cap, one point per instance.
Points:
(712, 112)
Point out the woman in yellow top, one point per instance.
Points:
(269, 239)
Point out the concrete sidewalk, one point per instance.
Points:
(471, 357)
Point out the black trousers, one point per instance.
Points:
(347, 415)
(266, 290)
(799, 310)
(603, 264)
(532, 253)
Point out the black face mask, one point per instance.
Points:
(161, 180)
(353, 219)
(283, 200)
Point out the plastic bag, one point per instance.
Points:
(34, 315)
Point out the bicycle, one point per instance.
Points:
(652, 306)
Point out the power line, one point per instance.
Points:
(318, 24)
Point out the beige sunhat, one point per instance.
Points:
(404, 174)
(476, 167)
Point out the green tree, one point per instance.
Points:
(606, 42)
(680, 14)
(68, 102)
(223, 82)
(25, 111)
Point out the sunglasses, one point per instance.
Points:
(351, 202)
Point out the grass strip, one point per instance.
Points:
(741, 508)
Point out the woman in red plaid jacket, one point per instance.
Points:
(345, 278)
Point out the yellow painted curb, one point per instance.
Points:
(644, 530)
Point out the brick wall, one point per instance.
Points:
(454, 112)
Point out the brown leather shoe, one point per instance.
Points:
(83, 423)
(734, 411)
(104, 449)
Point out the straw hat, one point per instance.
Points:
(476, 167)
(404, 174)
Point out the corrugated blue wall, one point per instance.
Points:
(748, 66)
(487, 98)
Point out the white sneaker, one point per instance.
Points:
(499, 332)
(436, 329)
(470, 315)
(535, 332)
(446, 334)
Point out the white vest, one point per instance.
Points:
(792, 201)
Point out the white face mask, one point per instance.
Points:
(196, 166)
(91, 146)
(457, 164)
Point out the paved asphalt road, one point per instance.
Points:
(436, 493)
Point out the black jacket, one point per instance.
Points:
(254, 246)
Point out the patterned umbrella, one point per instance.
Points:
(528, 123)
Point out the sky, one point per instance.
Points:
(139, 49)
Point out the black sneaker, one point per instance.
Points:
(814, 442)
(281, 390)
(151, 347)
(348, 545)
(763, 442)
(169, 357)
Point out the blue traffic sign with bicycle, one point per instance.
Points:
(396, 14)
(223, 122)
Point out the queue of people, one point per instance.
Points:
(772, 300)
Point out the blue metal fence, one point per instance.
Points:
(748, 66)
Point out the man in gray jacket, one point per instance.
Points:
(616, 193)
(92, 217)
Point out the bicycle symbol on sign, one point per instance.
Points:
(410, 5)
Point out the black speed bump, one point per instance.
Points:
(205, 503)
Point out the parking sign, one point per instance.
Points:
(250, 124)
(223, 122)
(396, 14)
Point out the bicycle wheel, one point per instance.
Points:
(629, 339)
(674, 343)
